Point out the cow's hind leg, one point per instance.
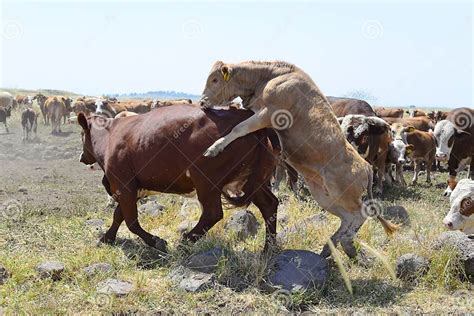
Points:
(267, 203)
(211, 213)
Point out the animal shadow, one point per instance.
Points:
(146, 257)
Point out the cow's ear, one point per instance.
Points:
(226, 72)
(409, 129)
(409, 149)
(377, 126)
(82, 120)
(461, 133)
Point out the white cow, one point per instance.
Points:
(461, 214)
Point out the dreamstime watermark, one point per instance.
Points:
(281, 119)
(177, 133)
(102, 300)
(12, 30)
(463, 119)
(102, 121)
(192, 29)
(283, 298)
(11, 210)
(372, 29)
(371, 208)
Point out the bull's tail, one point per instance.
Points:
(251, 174)
(388, 226)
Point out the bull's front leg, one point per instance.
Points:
(258, 121)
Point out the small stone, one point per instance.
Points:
(23, 190)
(191, 281)
(398, 214)
(50, 269)
(96, 268)
(151, 208)
(206, 261)
(242, 223)
(95, 222)
(4, 275)
(115, 287)
(298, 270)
(410, 267)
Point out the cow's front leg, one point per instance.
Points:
(258, 121)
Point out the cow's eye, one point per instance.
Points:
(214, 80)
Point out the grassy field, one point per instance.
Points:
(63, 194)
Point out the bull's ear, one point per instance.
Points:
(226, 72)
(409, 149)
(409, 129)
(82, 120)
(64, 99)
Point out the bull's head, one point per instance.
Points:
(445, 134)
(461, 214)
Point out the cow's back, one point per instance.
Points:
(345, 106)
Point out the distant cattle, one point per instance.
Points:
(415, 113)
(67, 108)
(4, 114)
(29, 122)
(370, 136)
(436, 116)
(455, 142)
(159, 103)
(461, 213)
(420, 123)
(24, 100)
(84, 105)
(388, 112)
(55, 109)
(6, 101)
(344, 106)
(41, 99)
(154, 152)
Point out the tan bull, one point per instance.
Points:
(285, 98)
(55, 108)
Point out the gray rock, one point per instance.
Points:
(50, 269)
(95, 268)
(206, 261)
(242, 223)
(191, 281)
(298, 270)
(463, 245)
(95, 222)
(23, 190)
(115, 287)
(4, 275)
(398, 214)
(185, 226)
(410, 267)
(152, 208)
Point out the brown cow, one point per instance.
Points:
(158, 103)
(421, 123)
(84, 105)
(55, 108)
(388, 112)
(67, 109)
(163, 151)
(344, 106)
(41, 99)
(415, 113)
(370, 136)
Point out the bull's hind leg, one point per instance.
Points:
(128, 204)
(267, 203)
(211, 213)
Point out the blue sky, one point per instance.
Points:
(416, 53)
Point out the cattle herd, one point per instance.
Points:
(341, 148)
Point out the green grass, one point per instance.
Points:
(51, 226)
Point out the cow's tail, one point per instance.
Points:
(388, 226)
(252, 175)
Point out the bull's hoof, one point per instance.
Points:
(160, 244)
(105, 240)
(215, 148)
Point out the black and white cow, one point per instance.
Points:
(29, 122)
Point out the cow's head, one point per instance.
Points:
(461, 214)
(40, 98)
(67, 102)
(222, 86)
(359, 128)
(87, 156)
(445, 134)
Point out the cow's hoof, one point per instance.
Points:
(105, 240)
(160, 244)
(215, 148)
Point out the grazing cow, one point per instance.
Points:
(388, 112)
(55, 109)
(436, 116)
(41, 100)
(461, 214)
(420, 123)
(370, 136)
(162, 151)
(417, 146)
(285, 98)
(415, 113)
(345, 106)
(125, 114)
(455, 142)
(29, 122)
